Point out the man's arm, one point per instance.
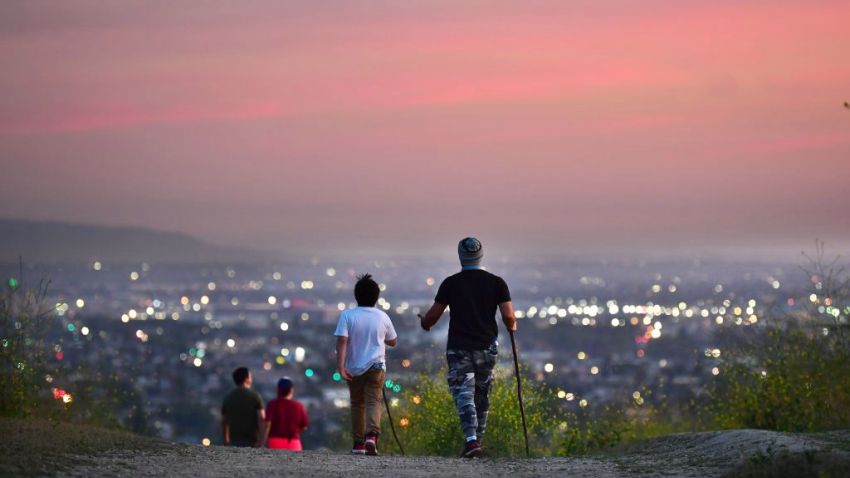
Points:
(225, 431)
(507, 311)
(341, 346)
(432, 316)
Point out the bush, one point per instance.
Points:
(793, 372)
(432, 426)
(428, 424)
(34, 383)
(25, 321)
(787, 379)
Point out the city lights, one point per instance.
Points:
(610, 329)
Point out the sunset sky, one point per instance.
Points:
(559, 126)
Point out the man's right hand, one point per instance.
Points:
(508, 316)
(345, 375)
(422, 323)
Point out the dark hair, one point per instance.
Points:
(284, 386)
(366, 291)
(240, 375)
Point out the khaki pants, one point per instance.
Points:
(366, 404)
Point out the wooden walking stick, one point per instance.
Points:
(519, 392)
(390, 417)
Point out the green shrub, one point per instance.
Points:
(30, 337)
(25, 321)
(432, 426)
(787, 379)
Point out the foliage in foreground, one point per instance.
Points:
(793, 373)
(24, 324)
(38, 380)
(431, 425)
(787, 379)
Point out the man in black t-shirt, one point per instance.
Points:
(473, 295)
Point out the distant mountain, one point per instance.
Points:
(40, 242)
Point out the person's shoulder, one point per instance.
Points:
(228, 397)
(492, 276)
(452, 279)
(358, 311)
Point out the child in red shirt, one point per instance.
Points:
(285, 419)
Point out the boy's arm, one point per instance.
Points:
(390, 332)
(432, 316)
(341, 346)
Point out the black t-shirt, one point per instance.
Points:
(473, 297)
(240, 409)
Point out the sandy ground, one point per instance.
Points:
(695, 454)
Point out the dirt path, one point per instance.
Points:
(217, 461)
(697, 454)
(44, 448)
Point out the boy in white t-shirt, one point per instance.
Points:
(362, 333)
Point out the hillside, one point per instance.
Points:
(39, 448)
(45, 242)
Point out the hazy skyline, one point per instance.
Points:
(600, 126)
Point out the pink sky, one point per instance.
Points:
(547, 125)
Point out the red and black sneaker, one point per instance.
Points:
(471, 449)
(358, 449)
(371, 445)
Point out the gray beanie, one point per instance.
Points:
(470, 251)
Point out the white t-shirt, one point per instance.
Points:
(366, 329)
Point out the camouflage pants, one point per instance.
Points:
(470, 374)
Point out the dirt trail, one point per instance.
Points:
(695, 454)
